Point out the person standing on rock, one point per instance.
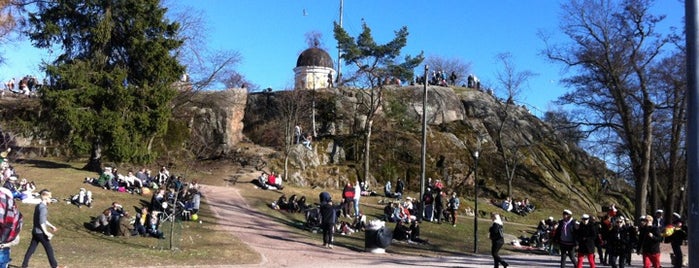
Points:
(328, 218)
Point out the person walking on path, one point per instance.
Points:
(40, 233)
(649, 242)
(498, 240)
(586, 235)
(565, 238)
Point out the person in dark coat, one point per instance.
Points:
(498, 240)
(679, 235)
(618, 241)
(439, 205)
(586, 235)
(649, 239)
(328, 216)
(564, 236)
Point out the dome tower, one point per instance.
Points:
(314, 70)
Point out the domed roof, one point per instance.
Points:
(314, 57)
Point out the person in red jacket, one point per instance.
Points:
(347, 200)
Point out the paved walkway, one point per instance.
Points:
(280, 248)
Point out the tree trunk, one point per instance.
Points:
(643, 171)
(367, 147)
(509, 188)
(654, 193)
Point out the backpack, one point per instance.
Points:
(11, 220)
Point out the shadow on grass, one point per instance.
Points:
(37, 163)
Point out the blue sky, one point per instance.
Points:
(270, 34)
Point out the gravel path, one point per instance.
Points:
(280, 248)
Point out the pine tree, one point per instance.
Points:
(112, 80)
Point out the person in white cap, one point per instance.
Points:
(586, 235)
(658, 220)
(564, 237)
(618, 242)
(498, 239)
(679, 235)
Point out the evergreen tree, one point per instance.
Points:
(374, 65)
(112, 80)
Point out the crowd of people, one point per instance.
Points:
(269, 181)
(26, 86)
(613, 237)
(24, 189)
(171, 198)
(437, 78)
(519, 207)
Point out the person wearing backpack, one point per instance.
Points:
(40, 232)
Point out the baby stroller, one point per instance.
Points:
(313, 218)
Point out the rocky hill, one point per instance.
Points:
(223, 124)
(549, 170)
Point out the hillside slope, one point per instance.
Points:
(549, 171)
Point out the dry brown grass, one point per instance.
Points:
(205, 243)
(76, 246)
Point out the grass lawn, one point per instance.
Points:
(194, 243)
(75, 246)
(443, 238)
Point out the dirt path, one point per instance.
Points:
(280, 248)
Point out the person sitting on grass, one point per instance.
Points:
(194, 201)
(401, 232)
(274, 182)
(27, 188)
(82, 198)
(153, 227)
(101, 222)
(10, 185)
(142, 219)
(126, 227)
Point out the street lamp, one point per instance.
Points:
(424, 141)
(476, 154)
(313, 108)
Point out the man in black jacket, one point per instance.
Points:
(328, 216)
(649, 239)
(586, 235)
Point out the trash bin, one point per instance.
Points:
(376, 237)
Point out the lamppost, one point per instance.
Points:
(476, 155)
(424, 140)
(313, 108)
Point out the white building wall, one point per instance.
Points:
(312, 77)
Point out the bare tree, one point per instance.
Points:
(450, 66)
(205, 66)
(668, 150)
(314, 39)
(613, 44)
(292, 104)
(507, 142)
